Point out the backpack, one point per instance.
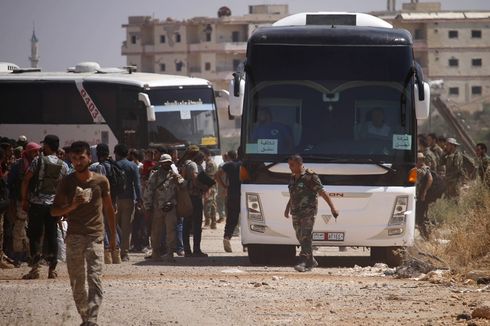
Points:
(47, 176)
(436, 189)
(117, 177)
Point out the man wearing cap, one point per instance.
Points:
(15, 177)
(453, 160)
(45, 172)
(160, 203)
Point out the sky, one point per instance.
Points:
(71, 31)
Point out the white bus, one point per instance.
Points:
(344, 92)
(108, 106)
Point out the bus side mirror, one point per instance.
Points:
(237, 90)
(422, 106)
(150, 109)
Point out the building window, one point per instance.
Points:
(207, 66)
(133, 39)
(454, 91)
(453, 62)
(453, 34)
(236, 63)
(475, 90)
(418, 34)
(476, 33)
(162, 67)
(162, 39)
(179, 65)
(235, 36)
(208, 37)
(476, 62)
(177, 38)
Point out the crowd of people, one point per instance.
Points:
(144, 185)
(442, 171)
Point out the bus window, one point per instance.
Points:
(62, 104)
(20, 103)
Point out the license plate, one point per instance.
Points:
(328, 236)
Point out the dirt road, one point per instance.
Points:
(225, 289)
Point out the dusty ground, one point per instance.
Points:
(226, 290)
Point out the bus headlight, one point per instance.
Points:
(398, 216)
(254, 208)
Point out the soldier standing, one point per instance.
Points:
(160, 203)
(304, 188)
(482, 160)
(82, 197)
(210, 195)
(424, 182)
(453, 160)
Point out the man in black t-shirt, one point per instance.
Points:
(232, 171)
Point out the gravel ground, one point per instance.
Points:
(225, 289)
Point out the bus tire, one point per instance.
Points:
(284, 254)
(258, 254)
(390, 256)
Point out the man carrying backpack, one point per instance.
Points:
(128, 198)
(106, 167)
(38, 191)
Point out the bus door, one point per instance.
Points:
(133, 123)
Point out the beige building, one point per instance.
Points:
(452, 47)
(210, 48)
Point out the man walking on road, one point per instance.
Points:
(82, 197)
(127, 200)
(304, 188)
(38, 190)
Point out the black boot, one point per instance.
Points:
(311, 262)
(301, 267)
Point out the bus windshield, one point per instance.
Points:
(332, 101)
(183, 116)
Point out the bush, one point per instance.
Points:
(461, 236)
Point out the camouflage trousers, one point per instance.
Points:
(452, 189)
(221, 205)
(20, 242)
(163, 222)
(209, 206)
(84, 259)
(303, 227)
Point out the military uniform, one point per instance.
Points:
(160, 198)
(421, 218)
(210, 197)
(482, 166)
(430, 159)
(454, 173)
(303, 204)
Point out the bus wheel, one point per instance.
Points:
(258, 254)
(391, 256)
(283, 254)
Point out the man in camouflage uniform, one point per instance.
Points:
(210, 195)
(424, 182)
(435, 148)
(304, 188)
(83, 197)
(429, 157)
(160, 201)
(453, 160)
(482, 161)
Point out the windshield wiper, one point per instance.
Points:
(381, 164)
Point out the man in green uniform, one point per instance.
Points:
(304, 188)
(453, 160)
(482, 161)
(210, 195)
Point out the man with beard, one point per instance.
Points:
(38, 191)
(83, 197)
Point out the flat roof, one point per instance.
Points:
(135, 79)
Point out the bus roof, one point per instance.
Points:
(121, 77)
(330, 35)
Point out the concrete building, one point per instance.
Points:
(451, 46)
(210, 48)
